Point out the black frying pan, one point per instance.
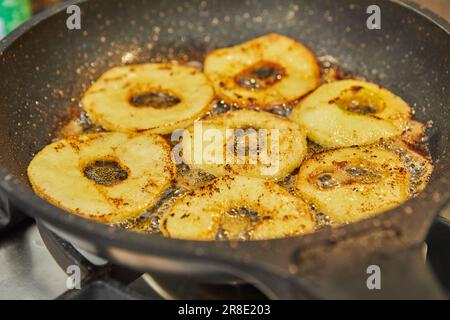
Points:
(45, 68)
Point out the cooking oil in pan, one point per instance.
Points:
(418, 163)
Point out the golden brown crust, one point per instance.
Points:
(334, 118)
(108, 100)
(289, 138)
(302, 73)
(353, 183)
(56, 174)
(204, 213)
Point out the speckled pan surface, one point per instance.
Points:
(44, 72)
(50, 67)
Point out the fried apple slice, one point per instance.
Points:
(351, 112)
(269, 71)
(245, 142)
(157, 98)
(353, 183)
(108, 177)
(237, 208)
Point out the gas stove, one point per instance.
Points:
(34, 261)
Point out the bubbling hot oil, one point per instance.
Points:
(187, 179)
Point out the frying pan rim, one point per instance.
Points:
(426, 13)
(100, 233)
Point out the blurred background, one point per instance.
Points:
(15, 12)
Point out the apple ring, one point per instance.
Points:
(158, 98)
(237, 208)
(108, 177)
(353, 183)
(252, 143)
(350, 112)
(269, 71)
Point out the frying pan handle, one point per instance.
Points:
(400, 275)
